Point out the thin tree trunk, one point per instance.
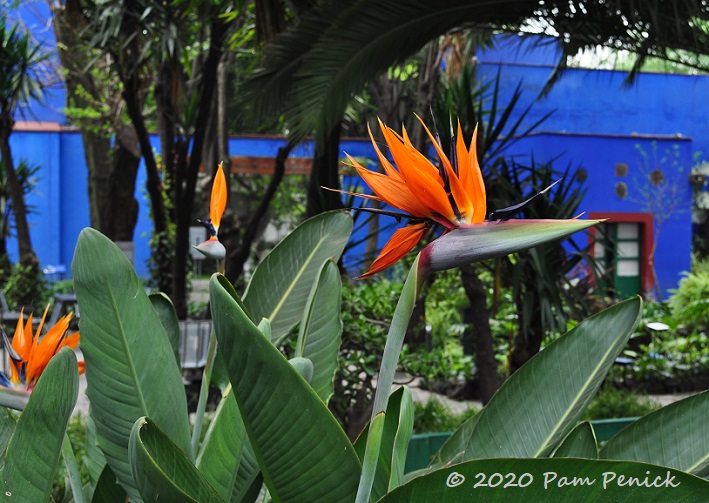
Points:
(186, 183)
(529, 341)
(478, 340)
(153, 183)
(325, 173)
(19, 208)
(112, 169)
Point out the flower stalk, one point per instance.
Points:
(211, 248)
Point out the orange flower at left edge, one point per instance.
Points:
(29, 355)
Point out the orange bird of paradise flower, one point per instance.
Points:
(30, 355)
(212, 248)
(450, 195)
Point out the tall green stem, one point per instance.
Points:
(385, 379)
(203, 394)
(72, 470)
(204, 388)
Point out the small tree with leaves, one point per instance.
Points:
(20, 83)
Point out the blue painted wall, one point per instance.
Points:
(598, 155)
(599, 101)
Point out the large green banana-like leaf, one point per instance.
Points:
(321, 329)
(7, 428)
(281, 283)
(552, 480)
(107, 489)
(33, 452)
(537, 407)
(168, 317)
(579, 443)
(130, 366)
(162, 471)
(303, 452)
(226, 458)
(453, 450)
(395, 433)
(676, 436)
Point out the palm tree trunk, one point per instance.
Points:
(325, 173)
(19, 209)
(478, 340)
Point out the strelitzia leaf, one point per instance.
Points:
(33, 452)
(281, 284)
(578, 362)
(551, 480)
(580, 443)
(7, 428)
(390, 359)
(472, 243)
(162, 471)
(303, 452)
(168, 317)
(227, 460)
(676, 436)
(107, 489)
(321, 329)
(131, 369)
(395, 429)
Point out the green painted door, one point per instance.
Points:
(618, 256)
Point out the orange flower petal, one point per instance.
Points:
(44, 349)
(71, 341)
(405, 154)
(388, 168)
(400, 243)
(393, 192)
(465, 206)
(82, 367)
(219, 196)
(471, 176)
(22, 340)
(422, 178)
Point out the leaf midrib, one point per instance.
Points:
(296, 278)
(562, 421)
(131, 363)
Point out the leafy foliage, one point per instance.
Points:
(366, 311)
(311, 71)
(27, 286)
(433, 416)
(611, 402)
(77, 433)
(690, 301)
(310, 457)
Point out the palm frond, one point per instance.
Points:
(311, 71)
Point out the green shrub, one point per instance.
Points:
(690, 302)
(433, 416)
(27, 286)
(611, 402)
(440, 367)
(367, 308)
